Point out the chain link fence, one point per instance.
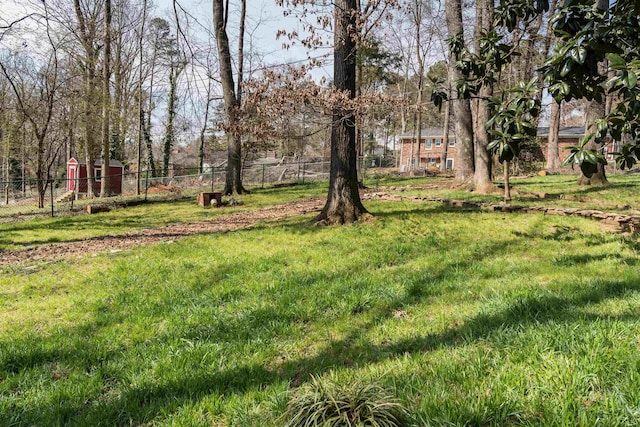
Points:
(20, 199)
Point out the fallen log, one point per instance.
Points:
(94, 209)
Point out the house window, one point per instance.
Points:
(452, 143)
(449, 164)
(432, 161)
(438, 142)
(98, 174)
(428, 144)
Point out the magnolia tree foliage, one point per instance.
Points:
(590, 35)
(587, 35)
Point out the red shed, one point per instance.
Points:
(77, 176)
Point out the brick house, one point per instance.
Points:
(430, 150)
(570, 136)
(431, 147)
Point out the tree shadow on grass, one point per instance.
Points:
(76, 347)
(144, 403)
(162, 396)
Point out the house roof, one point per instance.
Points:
(112, 162)
(565, 132)
(428, 133)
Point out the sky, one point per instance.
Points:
(262, 48)
(264, 19)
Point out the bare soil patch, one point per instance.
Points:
(243, 220)
(219, 224)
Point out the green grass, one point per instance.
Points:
(621, 196)
(155, 214)
(469, 318)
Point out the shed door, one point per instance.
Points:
(71, 184)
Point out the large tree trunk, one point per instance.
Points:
(553, 153)
(233, 183)
(106, 103)
(464, 168)
(343, 204)
(359, 75)
(482, 182)
(445, 134)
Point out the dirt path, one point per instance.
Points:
(243, 220)
(223, 223)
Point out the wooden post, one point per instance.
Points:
(51, 195)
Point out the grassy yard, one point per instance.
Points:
(468, 318)
(155, 214)
(621, 195)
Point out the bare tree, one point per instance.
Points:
(343, 200)
(87, 33)
(106, 103)
(36, 88)
(231, 95)
(176, 67)
(141, 121)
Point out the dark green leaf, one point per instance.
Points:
(616, 62)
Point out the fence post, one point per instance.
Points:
(304, 170)
(51, 195)
(213, 176)
(146, 185)
(263, 168)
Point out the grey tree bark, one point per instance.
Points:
(464, 169)
(553, 154)
(169, 132)
(106, 103)
(233, 182)
(141, 125)
(482, 182)
(87, 34)
(343, 204)
(446, 130)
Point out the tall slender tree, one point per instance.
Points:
(87, 33)
(106, 103)
(232, 98)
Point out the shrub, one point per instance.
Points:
(332, 404)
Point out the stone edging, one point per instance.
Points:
(613, 221)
